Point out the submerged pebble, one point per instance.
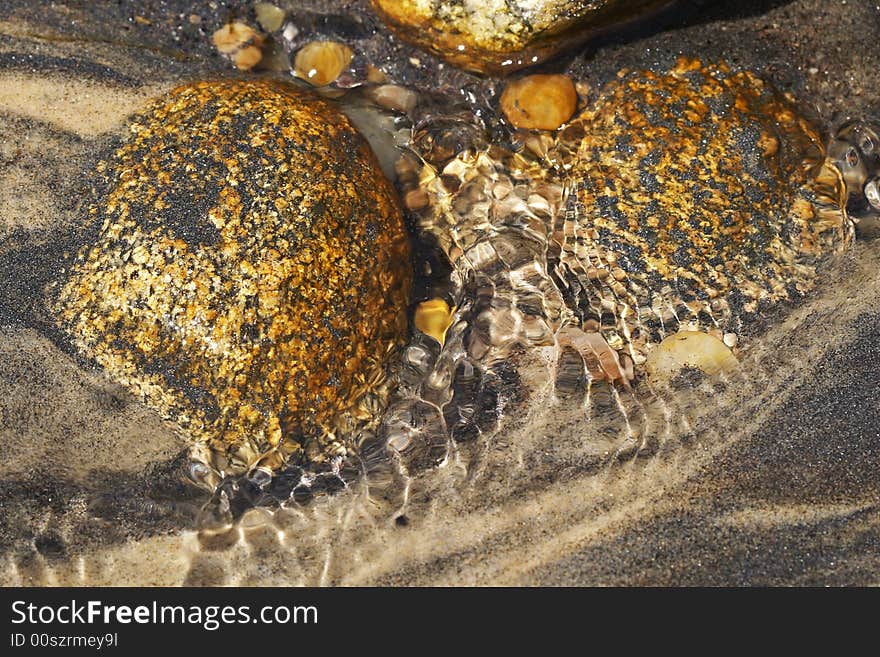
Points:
(241, 43)
(394, 97)
(539, 102)
(689, 349)
(433, 318)
(270, 17)
(322, 62)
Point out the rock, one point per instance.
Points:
(539, 102)
(251, 274)
(270, 17)
(689, 349)
(710, 191)
(321, 62)
(240, 43)
(495, 36)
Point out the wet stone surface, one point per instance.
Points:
(500, 36)
(700, 198)
(693, 198)
(251, 274)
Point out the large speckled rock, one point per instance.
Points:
(493, 36)
(700, 194)
(251, 274)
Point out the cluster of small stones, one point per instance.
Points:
(321, 62)
(679, 203)
(681, 200)
(248, 46)
(268, 40)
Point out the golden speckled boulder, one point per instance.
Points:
(251, 274)
(702, 192)
(494, 36)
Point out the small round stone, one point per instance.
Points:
(246, 58)
(270, 17)
(252, 271)
(394, 97)
(321, 62)
(689, 349)
(539, 102)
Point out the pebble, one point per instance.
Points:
(239, 42)
(416, 199)
(269, 16)
(501, 190)
(538, 144)
(321, 62)
(433, 318)
(601, 360)
(394, 97)
(539, 102)
(693, 349)
(376, 75)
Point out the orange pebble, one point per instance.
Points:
(539, 102)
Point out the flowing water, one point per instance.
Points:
(499, 460)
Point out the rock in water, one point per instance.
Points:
(539, 102)
(251, 274)
(493, 36)
(686, 198)
(702, 193)
(321, 62)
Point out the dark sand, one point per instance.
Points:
(772, 482)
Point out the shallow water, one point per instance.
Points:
(768, 476)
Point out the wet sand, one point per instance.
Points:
(770, 480)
